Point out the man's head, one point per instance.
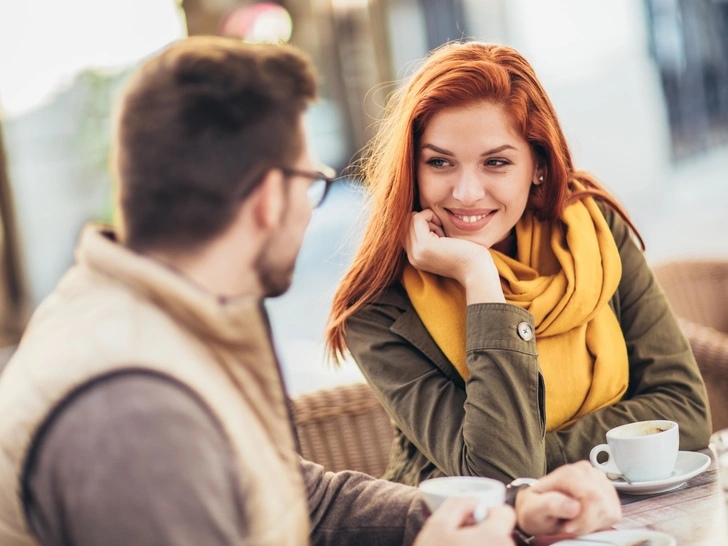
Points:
(203, 128)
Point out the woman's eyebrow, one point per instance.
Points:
(499, 149)
(496, 150)
(436, 149)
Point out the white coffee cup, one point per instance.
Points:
(435, 491)
(642, 451)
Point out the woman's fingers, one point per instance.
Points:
(420, 235)
(428, 249)
(435, 219)
(436, 229)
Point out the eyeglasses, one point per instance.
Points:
(322, 178)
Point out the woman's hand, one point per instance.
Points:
(428, 249)
(573, 499)
(452, 524)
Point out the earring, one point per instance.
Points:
(540, 178)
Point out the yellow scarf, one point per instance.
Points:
(565, 276)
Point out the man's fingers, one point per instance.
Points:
(502, 519)
(542, 513)
(598, 499)
(452, 524)
(559, 506)
(591, 519)
(456, 511)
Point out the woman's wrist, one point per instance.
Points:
(482, 284)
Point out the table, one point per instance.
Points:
(696, 514)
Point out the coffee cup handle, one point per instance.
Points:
(609, 467)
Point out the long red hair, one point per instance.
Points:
(454, 74)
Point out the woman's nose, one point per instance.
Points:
(469, 187)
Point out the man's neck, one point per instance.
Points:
(218, 271)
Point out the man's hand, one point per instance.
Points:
(429, 249)
(573, 499)
(452, 525)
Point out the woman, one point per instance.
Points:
(510, 320)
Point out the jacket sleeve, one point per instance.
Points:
(492, 425)
(664, 380)
(350, 509)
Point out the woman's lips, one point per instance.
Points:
(470, 220)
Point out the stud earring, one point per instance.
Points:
(540, 178)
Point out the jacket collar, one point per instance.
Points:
(236, 321)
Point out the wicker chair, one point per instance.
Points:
(344, 428)
(698, 293)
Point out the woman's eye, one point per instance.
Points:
(496, 162)
(437, 162)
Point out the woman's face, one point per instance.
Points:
(475, 172)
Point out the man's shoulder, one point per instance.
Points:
(120, 408)
(120, 446)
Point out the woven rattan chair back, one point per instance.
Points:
(344, 428)
(698, 293)
(697, 290)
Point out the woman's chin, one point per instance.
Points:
(477, 238)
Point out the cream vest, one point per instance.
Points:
(115, 310)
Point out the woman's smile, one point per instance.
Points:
(469, 220)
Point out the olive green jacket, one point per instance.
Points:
(493, 424)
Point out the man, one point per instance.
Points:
(145, 404)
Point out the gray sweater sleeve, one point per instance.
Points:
(134, 459)
(353, 509)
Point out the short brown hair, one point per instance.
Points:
(199, 126)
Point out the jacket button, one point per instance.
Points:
(525, 331)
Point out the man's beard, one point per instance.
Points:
(274, 279)
(275, 283)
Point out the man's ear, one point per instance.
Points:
(269, 200)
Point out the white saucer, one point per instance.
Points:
(688, 465)
(621, 537)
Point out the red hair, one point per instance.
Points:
(455, 74)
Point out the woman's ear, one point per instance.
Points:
(539, 176)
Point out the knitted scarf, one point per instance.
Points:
(564, 276)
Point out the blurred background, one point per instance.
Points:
(641, 88)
